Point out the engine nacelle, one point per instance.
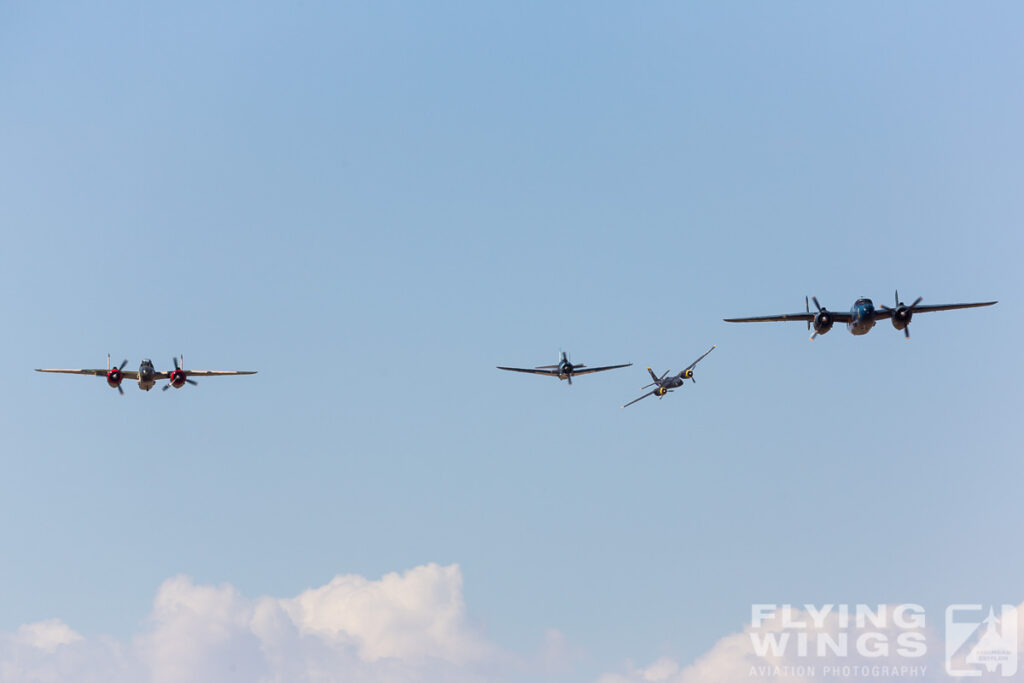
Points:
(688, 374)
(177, 378)
(901, 317)
(823, 322)
(114, 378)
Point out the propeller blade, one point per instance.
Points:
(175, 361)
(568, 377)
(916, 301)
(108, 362)
(816, 304)
(166, 387)
(897, 299)
(693, 379)
(123, 363)
(120, 390)
(906, 332)
(195, 383)
(807, 307)
(814, 335)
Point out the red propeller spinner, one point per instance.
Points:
(178, 377)
(115, 376)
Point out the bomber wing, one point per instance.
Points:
(692, 365)
(127, 374)
(97, 373)
(886, 313)
(799, 317)
(649, 393)
(204, 373)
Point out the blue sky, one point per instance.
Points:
(373, 205)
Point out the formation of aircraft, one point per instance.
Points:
(564, 369)
(147, 376)
(668, 385)
(862, 316)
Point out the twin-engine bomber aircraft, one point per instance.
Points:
(564, 369)
(862, 316)
(667, 386)
(147, 376)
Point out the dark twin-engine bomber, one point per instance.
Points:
(666, 385)
(862, 315)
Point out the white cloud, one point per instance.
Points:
(403, 627)
(413, 615)
(47, 635)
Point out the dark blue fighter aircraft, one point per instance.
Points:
(564, 369)
(861, 318)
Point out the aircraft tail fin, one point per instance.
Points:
(653, 376)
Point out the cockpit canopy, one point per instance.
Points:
(863, 301)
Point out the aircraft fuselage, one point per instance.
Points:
(862, 317)
(147, 375)
(673, 382)
(565, 369)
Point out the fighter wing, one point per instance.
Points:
(885, 314)
(590, 370)
(637, 399)
(532, 371)
(799, 317)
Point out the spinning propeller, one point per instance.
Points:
(822, 321)
(902, 314)
(178, 377)
(114, 375)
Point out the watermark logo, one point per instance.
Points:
(838, 641)
(977, 643)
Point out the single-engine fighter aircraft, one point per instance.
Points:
(667, 386)
(147, 376)
(861, 318)
(564, 369)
